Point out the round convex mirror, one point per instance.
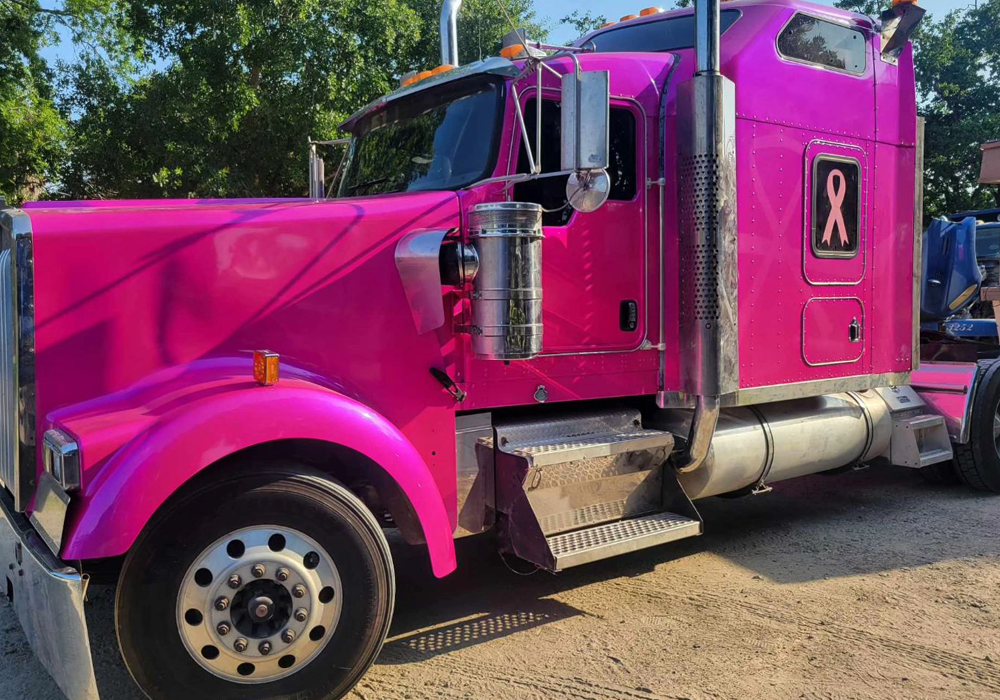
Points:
(588, 190)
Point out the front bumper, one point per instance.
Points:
(48, 598)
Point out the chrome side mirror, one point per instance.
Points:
(586, 137)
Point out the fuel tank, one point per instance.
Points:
(777, 441)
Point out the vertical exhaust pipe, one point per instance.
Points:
(708, 234)
(449, 31)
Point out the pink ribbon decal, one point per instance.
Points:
(836, 192)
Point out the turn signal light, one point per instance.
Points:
(265, 367)
(511, 52)
(650, 11)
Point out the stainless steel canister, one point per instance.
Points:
(507, 292)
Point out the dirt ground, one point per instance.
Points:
(865, 585)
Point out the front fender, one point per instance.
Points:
(140, 476)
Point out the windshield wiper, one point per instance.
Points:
(370, 183)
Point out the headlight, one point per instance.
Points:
(62, 458)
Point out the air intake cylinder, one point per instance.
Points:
(507, 292)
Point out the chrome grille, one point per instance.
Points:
(8, 405)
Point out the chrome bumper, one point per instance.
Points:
(48, 599)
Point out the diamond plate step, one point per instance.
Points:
(583, 437)
(603, 541)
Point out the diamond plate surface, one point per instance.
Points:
(602, 541)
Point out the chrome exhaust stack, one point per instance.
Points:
(708, 234)
(449, 32)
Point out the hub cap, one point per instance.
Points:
(262, 611)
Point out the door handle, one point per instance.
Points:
(854, 331)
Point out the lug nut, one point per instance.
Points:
(288, 636)
(299, 591)
(223, 629)
(222, 604)
(241, 645)
(282, 574)
(235, 582)
(258, 570)
(264, 648)
(301, 615)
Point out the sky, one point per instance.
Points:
(613, 9)
(551, 11)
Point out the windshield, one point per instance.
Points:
(988, 241)
(440, 139)
(670, 34)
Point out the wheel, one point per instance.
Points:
(272, 587)
(978, 461)
(942, 473)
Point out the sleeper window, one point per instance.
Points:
(551, 192)
(812, 40)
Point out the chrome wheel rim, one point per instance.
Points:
(259, 604)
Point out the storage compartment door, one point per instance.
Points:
(833, 331)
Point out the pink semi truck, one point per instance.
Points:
(561, 295)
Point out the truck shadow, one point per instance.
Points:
(813, 528)
(807, 529)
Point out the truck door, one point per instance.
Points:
(594, 266)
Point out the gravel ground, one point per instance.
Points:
(866, 585)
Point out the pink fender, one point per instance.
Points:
(224, 418)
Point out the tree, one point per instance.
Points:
(583, 22)
(959, 96)
(232, 90)
(32, 131)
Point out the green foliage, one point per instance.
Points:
(32, 131)
(583, 22)
(959, 96)
(235, 88)
(872, 8)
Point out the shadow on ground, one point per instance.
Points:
(807, 529)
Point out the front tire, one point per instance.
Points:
(306, 577)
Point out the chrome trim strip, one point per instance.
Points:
(795, 390)
(17, 237)
(918, 244)
(863, 335)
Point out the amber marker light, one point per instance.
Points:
(265, 367)
(511, 52)
(650, 11)
(442, 69)
(608, 24)
(626, 18)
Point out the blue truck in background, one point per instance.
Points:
(961, 255)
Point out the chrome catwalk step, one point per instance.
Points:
(591, 484)
(621, 537)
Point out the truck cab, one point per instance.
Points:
(561, 295)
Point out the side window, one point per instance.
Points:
(812, 40)
(836, 210)
(550, 192)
